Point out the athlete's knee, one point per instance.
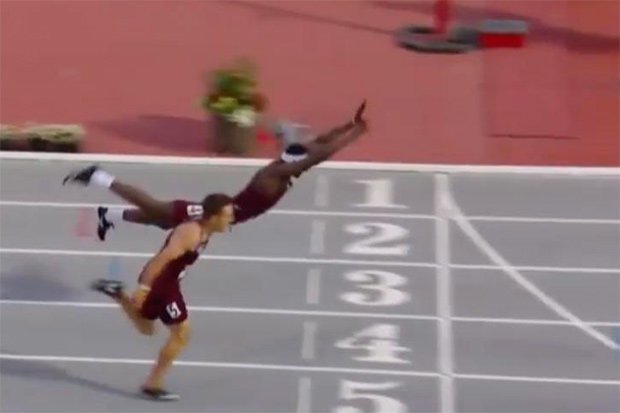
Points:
(146, 328)
(181, 334)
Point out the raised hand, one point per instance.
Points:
(359, 113)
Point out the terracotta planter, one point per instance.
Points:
(38, 144)
(14, 144)
(228, 137)
(64, 146)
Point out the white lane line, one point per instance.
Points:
(304, 395)
(484, 246)
(317, 369)
(303, 260)
(292, 260)
(311, 212)
(314, 212)
(223, 365)
(313, 286)
(239, 310)
(534, 379)
(551, 220)
(309, 340)
(444, 295)
(532, 268)
(531, 321)
(275, 311)
(317, 237)
(321, 191)
(573, 172)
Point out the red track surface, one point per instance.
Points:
(132, 73)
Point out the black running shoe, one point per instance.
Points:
(111, 288)
(81, 176)
(159, 394)
(103, 225)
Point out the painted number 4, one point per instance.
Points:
(380, 341)
(353, 390)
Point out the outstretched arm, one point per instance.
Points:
(320, 152)
(338, 131)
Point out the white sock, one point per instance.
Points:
(115, 215)
(102, 178)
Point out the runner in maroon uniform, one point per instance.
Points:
(159, 293)
(264, 190)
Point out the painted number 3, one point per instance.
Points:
(380, 284)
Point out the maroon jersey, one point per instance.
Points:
(175, 269)
(253, 201)
(165, 300)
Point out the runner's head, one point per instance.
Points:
(217, 212)
(294, 153)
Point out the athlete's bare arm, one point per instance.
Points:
(318, 153)
(342, 129)
(184, 238)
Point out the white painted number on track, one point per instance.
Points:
(380, 341)
(378, 233)
(379, 194)
(358, 391)
(382, 282)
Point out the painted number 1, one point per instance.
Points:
(379, 194)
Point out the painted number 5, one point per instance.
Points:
(384, 285)
(353, 390)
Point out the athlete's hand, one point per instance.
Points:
(359, 113)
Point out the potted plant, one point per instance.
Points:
(55, 138)
(235, 104)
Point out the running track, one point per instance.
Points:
(418, 293)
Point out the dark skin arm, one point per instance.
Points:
(342, 129)
(321, 150)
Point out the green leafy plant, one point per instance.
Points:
(233, 93)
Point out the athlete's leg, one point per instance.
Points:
(176, 343)
(150, 211)
(93, 175)
(155, 209)
(115, 290)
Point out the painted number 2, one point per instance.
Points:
(378, 233)
(379, 194)
(383, 285)
(358, 391)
